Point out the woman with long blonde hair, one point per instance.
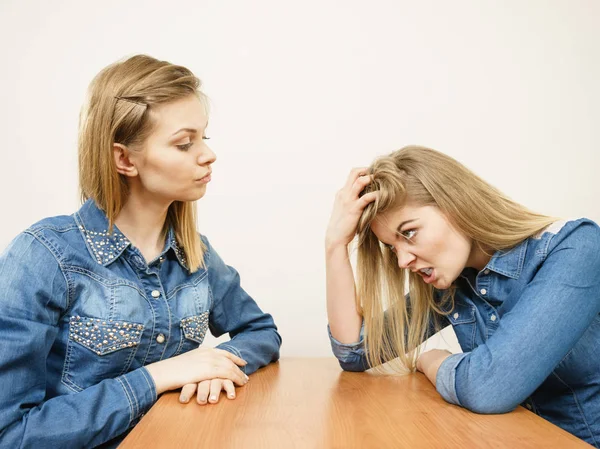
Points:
(438, 246)
(105, 309)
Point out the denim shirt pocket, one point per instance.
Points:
(463, 322)
(98, 349)
(193, 331)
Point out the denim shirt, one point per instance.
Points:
(529, 328)
(81, 313)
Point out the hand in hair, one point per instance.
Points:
(348, 207)
(196, 366)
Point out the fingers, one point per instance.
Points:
(237, 376)
(187, 391)
(228, 370)
(234, 358)
(368, 198)
(360, 184)
(215, 390)
(209, 391)
(203, 391)
(229, 389)
(354, 174)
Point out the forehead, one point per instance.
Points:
(187, 112)
(386, 224)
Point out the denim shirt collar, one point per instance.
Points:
(509, 262)
(105, 247)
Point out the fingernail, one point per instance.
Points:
(231, 396)
(183, 399)
(213, 398)
(247, 378)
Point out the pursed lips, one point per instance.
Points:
(206, 175)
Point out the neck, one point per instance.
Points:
(142, 220)
(479, 258)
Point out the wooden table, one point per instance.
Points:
(312, 403)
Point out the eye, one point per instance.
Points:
(408, 234)
(205, 138)
(391, 248)
(185, 146)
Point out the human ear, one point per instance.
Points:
(123, 162)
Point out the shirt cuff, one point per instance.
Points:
(445, 380)
(344, 351)
(140, 391)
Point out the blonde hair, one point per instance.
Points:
(424, 177)
(117, 111)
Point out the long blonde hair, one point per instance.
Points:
(425, 177)
(117, 111)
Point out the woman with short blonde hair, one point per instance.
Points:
(105, 309)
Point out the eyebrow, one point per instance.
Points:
(401, 225)
(189, 130)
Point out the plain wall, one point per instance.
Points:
(301, 93)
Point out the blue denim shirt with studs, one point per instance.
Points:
(82, 313)
(529, 328)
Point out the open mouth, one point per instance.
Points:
(428, 274)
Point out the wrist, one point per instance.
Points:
(429, 363)
(159, 372)
(334, 247)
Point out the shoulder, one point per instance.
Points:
(582, 234)
(209, 251)
(214, 264)
(571, 250)
(57, 225)
(55, 233)
(43, 229)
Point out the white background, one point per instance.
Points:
(302, 92)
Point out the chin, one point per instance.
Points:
(441, 284)
(192, 195)
(187, 198)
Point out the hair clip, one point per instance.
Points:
(132, 101)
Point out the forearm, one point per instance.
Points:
(429, 363)
(257, 347)
(344, 320)
(85, 419)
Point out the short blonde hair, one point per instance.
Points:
(117, 111)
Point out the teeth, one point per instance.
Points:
(427, 271)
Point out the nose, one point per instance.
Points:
(206, 156)
(404, 258)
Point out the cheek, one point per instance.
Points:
(457, 250)
(450, 250)
(168, 169)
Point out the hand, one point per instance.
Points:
(348, 207)
(205, 389)
(196, 366)
(429, 362)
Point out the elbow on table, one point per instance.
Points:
(353, 366)
(489, 404)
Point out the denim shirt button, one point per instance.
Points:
(528, 406)
(155, 293)
(160, 338)
(483, 291)
(456, 315)
(493, 318)
(486, 271)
